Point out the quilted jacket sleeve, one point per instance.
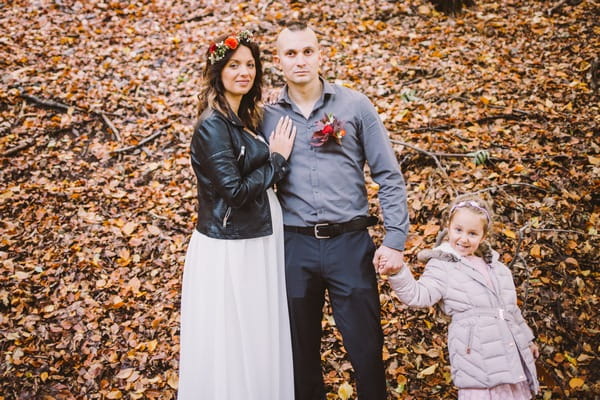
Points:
(523, 324)
(427, 291)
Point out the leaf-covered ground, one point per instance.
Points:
(97, 101)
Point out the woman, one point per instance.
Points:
(235, 339)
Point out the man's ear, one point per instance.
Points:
(276, 59)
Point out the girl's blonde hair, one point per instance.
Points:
(479, 206)
(474, 203)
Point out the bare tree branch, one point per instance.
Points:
(432, 155)
(110, 126)
(492, 188)
(144, 141)
(17, 148)
(45, 103)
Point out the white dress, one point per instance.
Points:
(235, 334)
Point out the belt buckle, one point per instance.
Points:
(316, 231)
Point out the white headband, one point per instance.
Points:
(473, 204)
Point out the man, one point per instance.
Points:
(325, 212)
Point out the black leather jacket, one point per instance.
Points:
(234, 170)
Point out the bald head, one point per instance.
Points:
(294, 32)
(299, 57)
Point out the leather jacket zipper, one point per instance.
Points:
(228, 212)
(242, 153)
(226, 216)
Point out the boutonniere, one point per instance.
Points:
(329, 128)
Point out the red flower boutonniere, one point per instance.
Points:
(329, 128)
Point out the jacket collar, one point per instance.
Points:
(231, 117)
(445, 252)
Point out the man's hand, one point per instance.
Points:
(388, 261)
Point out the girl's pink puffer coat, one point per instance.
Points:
(488, 339)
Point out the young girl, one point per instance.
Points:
(492, 354)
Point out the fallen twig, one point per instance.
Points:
(438, 154)
(45, 103)
(527, 281)
(491, 188)
(432, 155)
(515, 115)
(198, 17)
(18, 148)
(110, 125)
(140, 144)
(595, 74)
(518, 247)
(65, 108)
(556, 6)
(524, 228)
(564, 231)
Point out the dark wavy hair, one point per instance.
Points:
(212, 94)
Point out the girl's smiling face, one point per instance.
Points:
(466, 231)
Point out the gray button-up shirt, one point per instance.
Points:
(327, 183)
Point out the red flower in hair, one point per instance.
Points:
(217, 51)
(231, 42)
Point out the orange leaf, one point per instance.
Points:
(124, 373)
(129, 228)
(508, 233)
(431, 229)
(576, 383)
(173, 381)
(114, 394)
(572, 261)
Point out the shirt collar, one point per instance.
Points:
(328, 89)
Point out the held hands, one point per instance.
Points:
(282, 138)
(388, 261)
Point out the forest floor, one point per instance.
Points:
(97, 197)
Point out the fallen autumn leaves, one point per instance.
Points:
(96, 211)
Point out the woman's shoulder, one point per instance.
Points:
(211, 122)
(211, 116)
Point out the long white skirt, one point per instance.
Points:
(235, 335)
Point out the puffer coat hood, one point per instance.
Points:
(488, 339)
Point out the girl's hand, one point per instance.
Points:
(534, 350)
(385, 267)
(282, 138)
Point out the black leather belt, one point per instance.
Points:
(326, 231)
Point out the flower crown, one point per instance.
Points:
(217, 51)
